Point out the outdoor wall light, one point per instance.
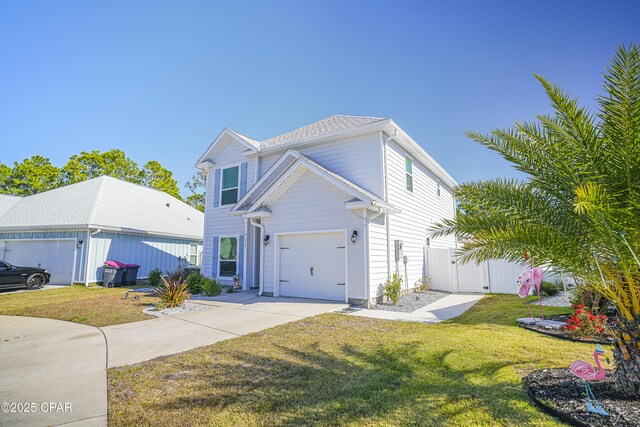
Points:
(79, 244)
(354, 236)
(266, 240)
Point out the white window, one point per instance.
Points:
(228, 258)
(230, 185)
(438, 187)
(193, 254)
(409, 173)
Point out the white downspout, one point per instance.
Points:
(86, 267)
(385, 142)
(244, 251)
(261, 270)
(365, 224)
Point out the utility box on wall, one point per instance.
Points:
(398, 247)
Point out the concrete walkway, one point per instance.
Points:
(444, 309)
(563, 299)
(45, 362)
(230, 316)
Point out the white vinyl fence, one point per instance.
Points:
(448, 274)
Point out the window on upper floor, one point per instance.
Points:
(438, 187)
(230, 186)
(409, 173)
(228, 257)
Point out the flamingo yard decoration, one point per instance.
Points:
(528, 278)
(584, 370)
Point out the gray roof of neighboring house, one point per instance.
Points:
(107, 203)
(322, 127)
(7, 202)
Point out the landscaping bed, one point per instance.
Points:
(562, 333)
(411, 301)
(561, 394)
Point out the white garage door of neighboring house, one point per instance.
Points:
(54, 255)
(313, 266)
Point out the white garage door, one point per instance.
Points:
(312, 266)
(54, 255)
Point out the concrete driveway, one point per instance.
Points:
(228, 316)
(47, 361)
(57, 368)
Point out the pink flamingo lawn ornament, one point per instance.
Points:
(528, 278)
(584, 370)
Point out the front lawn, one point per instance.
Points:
(90, 306)
(336, 369)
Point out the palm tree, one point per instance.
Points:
(579, 207)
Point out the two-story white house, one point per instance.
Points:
(328, 211)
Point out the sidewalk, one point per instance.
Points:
(444, 309)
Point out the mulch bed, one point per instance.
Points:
(561, 394)
(561, 333)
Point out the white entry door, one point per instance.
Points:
(56, 256)
(313, 266)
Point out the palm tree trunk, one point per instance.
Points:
(627, 356)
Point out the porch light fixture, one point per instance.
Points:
(354, 236)
(266, 240)
(79, 244)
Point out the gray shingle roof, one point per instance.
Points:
(105, 202)
(322, 127)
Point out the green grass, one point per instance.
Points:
(90, 306)
(336, 369)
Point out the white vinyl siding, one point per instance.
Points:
(420, 211)
(356, 158)
(313, 204)
(217, 221)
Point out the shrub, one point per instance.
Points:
(194, 283)
(592, 300)
(210, 287)
(423, 284)
(172, 293)
(393, 287)
(548, 289)
(231, 289)
(584, 324)
(155, 277)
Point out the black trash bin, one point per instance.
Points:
(112, 276)
(131, 273)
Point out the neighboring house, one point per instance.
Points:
(72, 230)
(319, 212)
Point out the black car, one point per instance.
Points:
(13, 277)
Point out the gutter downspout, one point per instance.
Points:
(244, 254)
(86, 267)
(385, 142)
(261, 270)
(365, 225)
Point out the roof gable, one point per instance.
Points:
(223, 138)
(280, 180)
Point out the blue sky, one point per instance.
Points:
(160, 80)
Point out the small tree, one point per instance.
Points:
(393, 288)
(579, 208)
